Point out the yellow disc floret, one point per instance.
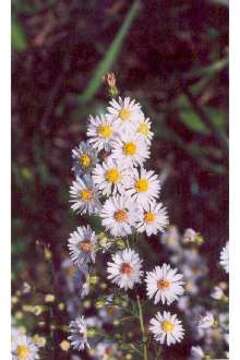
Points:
(105, 131)
(85, 160)
(112, 176)
(167, 326)
(22, 352)
(120, 215)
(129, 149)
(124, 114)
(163, 284)
(143, 129)
(149, 217)
(86, 195)
(142, 185)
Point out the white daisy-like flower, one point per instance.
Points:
(84, 158)
(84, 196)
(125, 270)
(206, 321)
(23, 347)
(107, 350)
(143, 129)
(197, 353)
(111, 176)
(130, 149)
(126, 112)
(81, 245)
(144, 186)
(102, 131)
(78, 337)
(164, 284)
(166, 328)
(217, 293)
(224, 258)
(119, 214)
(153, 218)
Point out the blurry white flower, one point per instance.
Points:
(23, 347)
(206, 321)
(111, 176)
(84, 157)
(144, 186)
(164, 284)
(119, 214)
(102, 131)
(144, 130)
(197, 353)
(224, 258)
(153, 218)
(171, 238)
(217, 293)
(81, 245)
(126, 112)
(125, 270)
(189, 236)
(84, 197)
(78, 337)
(107, 350)
(130, 149)
(166, 328)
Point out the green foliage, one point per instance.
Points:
(19, 39)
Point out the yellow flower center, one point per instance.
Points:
(113, 176)
(22, 352)
(85, 161)
(126, 269)
(86, 195)
(149, 217)
(105, 131)
(120, 216)
(85, 246)
(143, 129)
(124, 114)
(141, 185)
(167, 326)
(163, 284)
(129, 148)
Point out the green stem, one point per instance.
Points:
(142, 328)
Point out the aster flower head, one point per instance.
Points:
(126, 112)
(84, 196)
(206, 321)
(197, 353)
(144, 186)
(153, 218)
(166, 328)
(119, 215)
(130, 149)
(111, 176)
(84, 158)
(164, 284)
(23, 348)
(224, 258)
(78, 337)
(125, 269)
(102, 132)
(143, 129)
(81, 245)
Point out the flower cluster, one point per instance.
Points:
(115, 190)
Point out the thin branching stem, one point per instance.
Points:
(142, 328)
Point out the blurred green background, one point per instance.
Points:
(172, 56)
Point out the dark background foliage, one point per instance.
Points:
(173, 58)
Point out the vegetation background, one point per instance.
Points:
(172, 56)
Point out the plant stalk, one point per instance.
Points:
(142, 329)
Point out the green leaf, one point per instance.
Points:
(111, 55)
(19, 40)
